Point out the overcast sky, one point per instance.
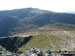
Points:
(52, 5)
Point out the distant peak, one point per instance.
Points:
(70, 12)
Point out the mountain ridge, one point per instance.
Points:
(21, 20)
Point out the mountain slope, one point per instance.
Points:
(21, 20)
(53, 40)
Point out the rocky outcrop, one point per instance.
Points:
(39, 52)
(13, 43)
(4, 52)
(36, 52)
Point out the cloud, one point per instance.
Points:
(53, 5)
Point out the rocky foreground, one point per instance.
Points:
(36, 52)
(28, 52)
(4, 52)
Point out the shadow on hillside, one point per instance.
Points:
(12, 44)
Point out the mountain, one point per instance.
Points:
(22, 20)
(70, 12)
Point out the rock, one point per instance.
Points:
(4, 52)
(48, 51)
(33, 54)
(34, 51)
(46, 54)
(39, 52)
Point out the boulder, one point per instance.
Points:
(33, 54)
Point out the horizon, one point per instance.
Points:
(50, 5)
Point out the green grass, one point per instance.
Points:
(42, 41)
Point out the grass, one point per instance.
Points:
(42, 38)
(41, 41)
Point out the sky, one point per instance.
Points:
(51, 5)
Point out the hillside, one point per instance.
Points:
(53, 40)
(14, 42)
(22, 20)
(46, 38)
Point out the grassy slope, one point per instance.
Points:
(42, 41)
(50, 37)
